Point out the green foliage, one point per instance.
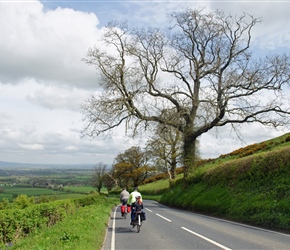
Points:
(23, 201)
(161, 176)
(253, 189)
(24, 217)
(84, 229)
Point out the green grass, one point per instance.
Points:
(252, 189)
(84, 230)
(30, 191)
(69, 196)
(8, 196)
(80, 189)
(154, 186)
(11, 192)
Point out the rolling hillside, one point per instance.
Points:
(249, 185)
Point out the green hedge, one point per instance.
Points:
(16, 222)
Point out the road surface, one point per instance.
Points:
(167, 228)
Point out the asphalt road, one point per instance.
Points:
(167, 228)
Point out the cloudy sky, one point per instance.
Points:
(43, 80)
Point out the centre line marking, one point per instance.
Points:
(163, 217)
(148, 210)
(207, 239)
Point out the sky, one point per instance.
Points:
(43, 80)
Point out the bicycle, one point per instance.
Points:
(125, 209)
(138, 220)
(124, 214)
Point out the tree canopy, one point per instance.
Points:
(201, 70)
(131, 167)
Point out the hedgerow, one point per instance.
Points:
(25, 217)
(252, 190)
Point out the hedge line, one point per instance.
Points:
(16, 223)
(252, 190)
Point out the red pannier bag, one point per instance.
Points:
(122, 209)
(128, 209)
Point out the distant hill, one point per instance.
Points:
(17, 165)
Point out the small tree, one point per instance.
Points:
(165, 148)
(99, 175)
(131, 167)
(109, 183)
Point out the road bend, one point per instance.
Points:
(167, 228)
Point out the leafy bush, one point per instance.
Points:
(25, 217)
(85, 229)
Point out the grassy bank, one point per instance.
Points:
(85, 229)
(253, 189)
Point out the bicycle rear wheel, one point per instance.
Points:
(139, 223)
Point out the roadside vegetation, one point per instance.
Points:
(62, 224)
(249, 185)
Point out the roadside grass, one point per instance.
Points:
(249, 185)
(252, 189)
(84, 230)
(154, 187)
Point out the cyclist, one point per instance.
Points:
(132, 201)
(137, 206)
(124, 196)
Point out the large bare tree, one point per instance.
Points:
(203, 70)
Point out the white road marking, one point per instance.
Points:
(207, 239)
(113, 230)
(148, 210)
(163, 217)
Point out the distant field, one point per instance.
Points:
(80, 189)
(69, 196)
(10, 192)
(30, 191)
(8, 196)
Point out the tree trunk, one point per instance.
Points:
(169, 173)
(173, 168)
(189, 154)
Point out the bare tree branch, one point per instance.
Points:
(202, 71)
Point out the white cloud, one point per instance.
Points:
(273, 32)
(43, 80)
(31, 146)
(56, 97)
(46, 45)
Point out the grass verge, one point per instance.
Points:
(84, 230)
